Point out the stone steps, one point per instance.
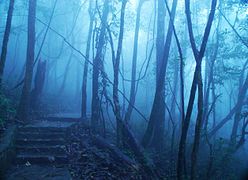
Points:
(38, 142)
(41, 149)
(27, 135)
(41, 145)
(40, 159)
(33, 129)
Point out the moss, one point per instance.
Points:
(7, 150)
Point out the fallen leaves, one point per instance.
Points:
(87, 161)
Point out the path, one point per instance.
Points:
(41, 150)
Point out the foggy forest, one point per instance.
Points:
(124, 89)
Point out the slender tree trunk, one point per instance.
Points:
(199, 120)
(175, 89)
(182, 100)
(214, 105)
(66, 73)
(207, 84)
(123, 89)
(86, 65)
(210, 77)
(160, 35)
(134, 63)
(39, 82)
(154, 135)
(239, 104)
(117, 108)
(208, 89)
(237, 116)
(6, 39)
(23, 109)
(97, 61)
(185, 125)
(197, 81)
(198, 126)
(242, 139)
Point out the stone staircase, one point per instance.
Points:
(41, 145)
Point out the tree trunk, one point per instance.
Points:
(239, 104)
(197, 81)
(66, 72)
(38, 84)
(237, 116)
(6, 40)
(160, 35)
(198, 125)
(185, 125)
(117, 108)
(97, 61)
(154, 135)
(86, 65)
(210, 78)
(24, 105)
(175, 89)
(134, 63)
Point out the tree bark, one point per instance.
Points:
(134, 63)
(97, 61)
(160, 35)
(154, 135)
(24, 105)
(6, 40)
(237, 116)
(86, 65)
(117, 108)
(66, 73)
(197, 81)
(39, 82)
(210, 79)
(198, 126)
(239, 103)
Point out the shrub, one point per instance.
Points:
(6, 110)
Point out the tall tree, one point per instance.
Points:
(237, 116)
(24, 105)
(209, 77)
(66, 73)
(86, 65)
(197, 82)
(160, 35)
(154, 134)
(134, 62)
(116, 64)
(97, 61)
(6, 39)
(239, 104)
(39, 81)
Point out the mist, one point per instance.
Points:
(156, 88)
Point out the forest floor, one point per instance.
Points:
(93, 157)
(38, 172)
(88, 157)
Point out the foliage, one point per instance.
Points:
(6, 110)
(225, 164)
(244, 1)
